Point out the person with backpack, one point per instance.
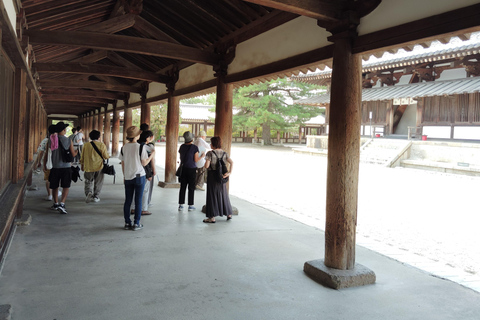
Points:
(43, 150)
(91, 162)
(146, 137)
(189, 155)
(61, 172)
(133, 162)
(218, 202)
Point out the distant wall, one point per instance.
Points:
(409, 119)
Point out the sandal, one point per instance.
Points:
(146, 213)
(229, 217)
(208, 221)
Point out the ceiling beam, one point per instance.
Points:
(325, 10)
(99, 70)
(67, 98)
(121, 43)
(94, 85)
(102, 94)
(112, 25)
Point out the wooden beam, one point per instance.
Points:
(328, 11)
(85, 93)
(113, 25)
(121, 43)
(68, 98)
(94, 85)
(146, 28)
(99, 70)
(306, 58)
(92, 57)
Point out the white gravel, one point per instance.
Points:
(430, 215)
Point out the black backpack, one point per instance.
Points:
(221, 169)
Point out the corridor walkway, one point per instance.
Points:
(83, 265)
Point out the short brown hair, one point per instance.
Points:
(216, 142)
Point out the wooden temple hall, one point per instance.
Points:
(84, 60)
(430, 92)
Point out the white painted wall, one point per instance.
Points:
(391, 13)
(294, 37)
(409, 119)
(11, 12)
(472, 133)
(441, 132)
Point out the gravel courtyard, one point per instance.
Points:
(429, 216)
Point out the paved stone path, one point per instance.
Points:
(424, 219)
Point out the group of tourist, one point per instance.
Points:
(137, 158)
(196, 159)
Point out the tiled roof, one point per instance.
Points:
(193, 112)
(437, 51)
(415, 90)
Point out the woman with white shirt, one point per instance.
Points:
(134, 176)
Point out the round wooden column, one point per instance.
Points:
(127, 122)
(106, 129)
(115, 131)
(343, 157)
(145, 109)
(173, 121)
(100, 123)
(224, 113)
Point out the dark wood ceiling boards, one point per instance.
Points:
(82, 46)
(118, 46)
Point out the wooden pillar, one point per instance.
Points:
(127, 117)
(115, 130)
(173, 121)
(94, 121)
(100, 123)
(19, 122)
(343, 157)
(144, 107)
(224, 113)
(106, 129)
(390, 113)
(338, 269)
(30, 128)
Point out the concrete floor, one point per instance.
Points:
(83, 265)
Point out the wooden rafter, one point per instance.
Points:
(121, 43)
(99, 70)
(102, 94)
(94, 85)
(325, 10)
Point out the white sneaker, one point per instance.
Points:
(89, 197)
(49, 198)
(96, 199)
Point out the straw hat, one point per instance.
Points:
(133, 131)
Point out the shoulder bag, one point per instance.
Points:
(107, 168)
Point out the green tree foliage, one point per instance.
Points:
(158, 119)
(271, 105)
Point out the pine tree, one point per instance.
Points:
(271, 105)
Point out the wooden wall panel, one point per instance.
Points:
(6, 110)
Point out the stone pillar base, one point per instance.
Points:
(338, 279)
(168, 184)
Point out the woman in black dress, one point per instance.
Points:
(188, 158)
(218, 202)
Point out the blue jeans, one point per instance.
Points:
(134, 186)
